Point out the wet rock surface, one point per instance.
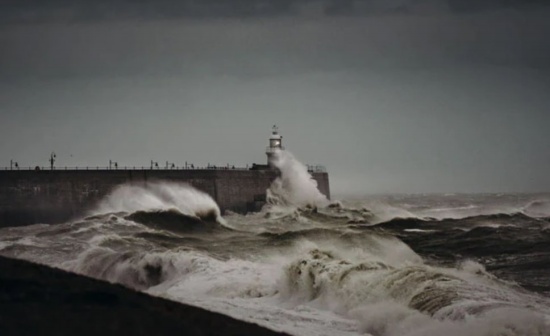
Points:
(38, 300)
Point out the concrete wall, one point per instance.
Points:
(48, 196)
(322, 183)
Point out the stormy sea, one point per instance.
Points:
(437, 264)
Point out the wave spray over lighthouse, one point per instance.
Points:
(59, 194)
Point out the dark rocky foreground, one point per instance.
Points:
(38, 300)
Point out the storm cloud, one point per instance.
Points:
(392, 96)
(59, 10)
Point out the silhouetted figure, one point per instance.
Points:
(52, 159)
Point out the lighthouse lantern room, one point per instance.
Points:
(275, 144)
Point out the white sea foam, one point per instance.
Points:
(451, 207)
(332, 282)
(538, 208)
(393, 319)
(292, 291)
(324, 287)
(415, 299)
(382, 211)
(139, 270)
(295, 185)
(5, 244)
(159, 196)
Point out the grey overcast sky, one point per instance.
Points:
(392, 96)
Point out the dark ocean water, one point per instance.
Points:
(380, 265)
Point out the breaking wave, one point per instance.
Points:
(414, 299)
(138, 270)
(294, 186)
(309, 267)
(161, 196)
(456, 207)
(514, 221)
(538, 208)
(175, 221)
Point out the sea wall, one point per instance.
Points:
(54, 196)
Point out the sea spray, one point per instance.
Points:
(538, 208)
(316, 273)
(394, 319)
(157, 196)
(295, 186)
(414, 299)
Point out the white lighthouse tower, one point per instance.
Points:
(275, 144)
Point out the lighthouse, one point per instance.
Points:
(275, 144)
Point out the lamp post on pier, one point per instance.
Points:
(14, 164)
(113, 163)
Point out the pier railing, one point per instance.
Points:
(126, 168)
(316, 169)
(310, 168)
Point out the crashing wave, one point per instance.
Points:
(295, 186)
(161, 196)
(173, 220)
(391, 299)
(538, 208)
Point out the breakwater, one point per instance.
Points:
(54, 196)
